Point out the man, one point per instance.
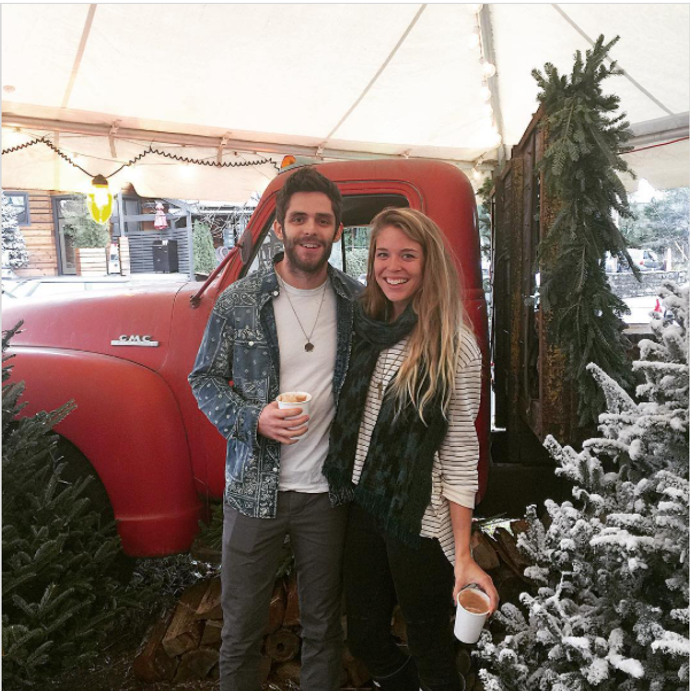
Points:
(287, 328)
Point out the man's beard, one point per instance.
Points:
(312, 267)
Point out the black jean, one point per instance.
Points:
(380, 570)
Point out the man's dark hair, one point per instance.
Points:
(308, 179)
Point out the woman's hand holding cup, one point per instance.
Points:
(476, 599)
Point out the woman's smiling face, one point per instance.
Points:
(398, 267)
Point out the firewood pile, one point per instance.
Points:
(184, 644)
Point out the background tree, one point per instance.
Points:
(662, 223)
(79, 225)
(204, 254)
(610, 611)
(14, 252)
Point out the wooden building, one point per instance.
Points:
(37, 225)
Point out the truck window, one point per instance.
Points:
(350, 253)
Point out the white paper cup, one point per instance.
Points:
(292, 403)
(469, 617)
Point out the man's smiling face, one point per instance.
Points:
(309, 232)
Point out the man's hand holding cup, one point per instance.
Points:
(284, 420)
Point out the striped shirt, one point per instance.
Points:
(454, 473)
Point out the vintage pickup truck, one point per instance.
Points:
(124, 356)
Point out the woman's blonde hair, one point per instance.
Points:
(429, 368)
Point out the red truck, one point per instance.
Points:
(124, 356)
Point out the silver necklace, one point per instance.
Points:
(308, 346)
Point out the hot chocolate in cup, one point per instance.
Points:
(295, 399)
(471, 613)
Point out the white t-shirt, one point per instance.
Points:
(301, 463)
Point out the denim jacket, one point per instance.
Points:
(237, 373)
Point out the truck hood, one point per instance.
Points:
(130, 323)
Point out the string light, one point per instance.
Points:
(474, 41)
(488, 69)
(490, 133)
(99, 200)
(143, 154)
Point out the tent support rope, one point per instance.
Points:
(379, 73)
(80, 53)
(625, 72)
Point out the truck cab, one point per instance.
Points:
(124, 356)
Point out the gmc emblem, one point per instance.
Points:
(135, 340)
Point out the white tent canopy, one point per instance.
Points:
(239, 82)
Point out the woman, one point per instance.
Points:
(404, 448)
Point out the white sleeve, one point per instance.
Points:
(458, 456)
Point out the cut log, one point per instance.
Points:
(399, 625)
(184, 632)
(519, 526)
(212, 633)
(292, 608)
(264, 669)
(508, 551)
(282, 645)
(196, 664)
(210, 606)
(483, 550)
(276, 610)
(152, 663)
(509, 585)
(289, 671)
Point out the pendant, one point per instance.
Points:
(308, 346)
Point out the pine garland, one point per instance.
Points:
(581, 162)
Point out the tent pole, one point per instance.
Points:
(487, 35)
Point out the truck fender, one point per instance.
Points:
(128, 424)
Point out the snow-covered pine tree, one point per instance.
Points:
(610, 609)
(13, 244)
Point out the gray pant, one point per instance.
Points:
(251, 551)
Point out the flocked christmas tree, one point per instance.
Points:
(610, 609)
(13, 245)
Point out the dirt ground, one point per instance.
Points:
(113, 672)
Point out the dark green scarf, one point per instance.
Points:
(395, 485)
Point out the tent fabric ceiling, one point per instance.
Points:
(380, 79)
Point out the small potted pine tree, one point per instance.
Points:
(90, 239)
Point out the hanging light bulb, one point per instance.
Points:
(488, 69)
(99, 200)
(475, 8)
(485, 93)
(487, 110)
(187, 171)
(473, 41)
